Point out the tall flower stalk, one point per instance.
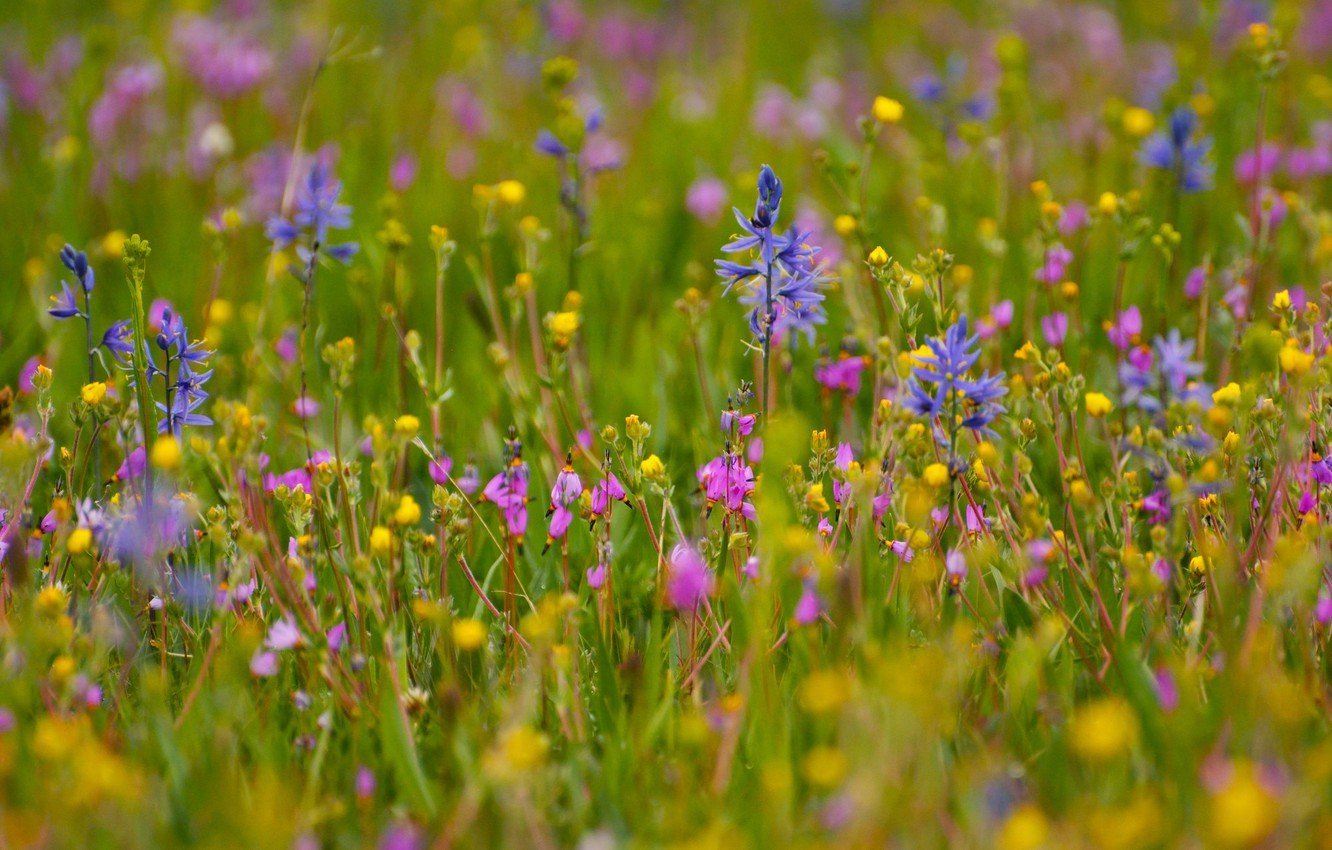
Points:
(136, 265)
(789, 299)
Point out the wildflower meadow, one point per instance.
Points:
(666, 423)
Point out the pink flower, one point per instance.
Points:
(706, 199)
(688, 581)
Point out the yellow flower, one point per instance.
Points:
(1027, 352)
(408, 512)
(815, 500)
(381, 540)
(221, 311)
(166, 453)
(1104, 729)
(407, 425)
(878, 257)
(468, 634)
(887, 110)
(1025, 829)
(845, 225)
(1108, 203)
(511, 192)
(563, 325)
(52, 600)
(94, 393)
(1294, 360)
(525, 748)
(1281, 301)
(1098, 404)
(652, 467)
(823, 692)
(80, 541)
(1227, 395)
(1243, 812)
(824, 767)
(936, 475)
(1138, 121)
(113, 244)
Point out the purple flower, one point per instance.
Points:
(939, 382)
(607, 490)
(808, 608)
(706, 199)
(566, 492)
(689, 581)
(1175, 150)
(1055, 266)
(282, 635)
(1125, 330)
(1055, 328)
(507, 490)
(439, 469)
(264, 664)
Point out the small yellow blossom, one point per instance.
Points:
(878, 257)
(823, 692)
(1138, 121)
(408, 512)
(887, 110)
(1025, 829)
(1228, 395)
(1244, 812)
(845, 225)
(652, 468)
(93, 393)
(468, 634)
(824, 767)
(381, 540)
(524, 748)
(166, 454)
(936, 475)
(1103, 730)
(80, 541)
(1281, 301)
(1098, 404)
(1294, 360)
(406, 425)
(510, 192)
(1108, 203)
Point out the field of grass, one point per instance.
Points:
(559, 423)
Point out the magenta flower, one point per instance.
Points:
(728, 480)
(1055, 328)
(564, 496)
(842, 374)
(706, 199)
(689, 581)
(282, 635)
(736, 424)
(508, 491)
(1055, 266)
(606, 491)
(440, 468)
(264, 664)
(1125, 330)
(809, 608)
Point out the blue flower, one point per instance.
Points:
(77, 262)
(1153, 379)
(317, 212)
(119, 340)
(785, 267)
(1175, 150)
(65, 305)
(939, 384)
(186, 392)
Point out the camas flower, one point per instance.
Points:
(783, 263)
(1153, 378)
(317, 212)
(185, 393)
(939, 379)
(1175, 150)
